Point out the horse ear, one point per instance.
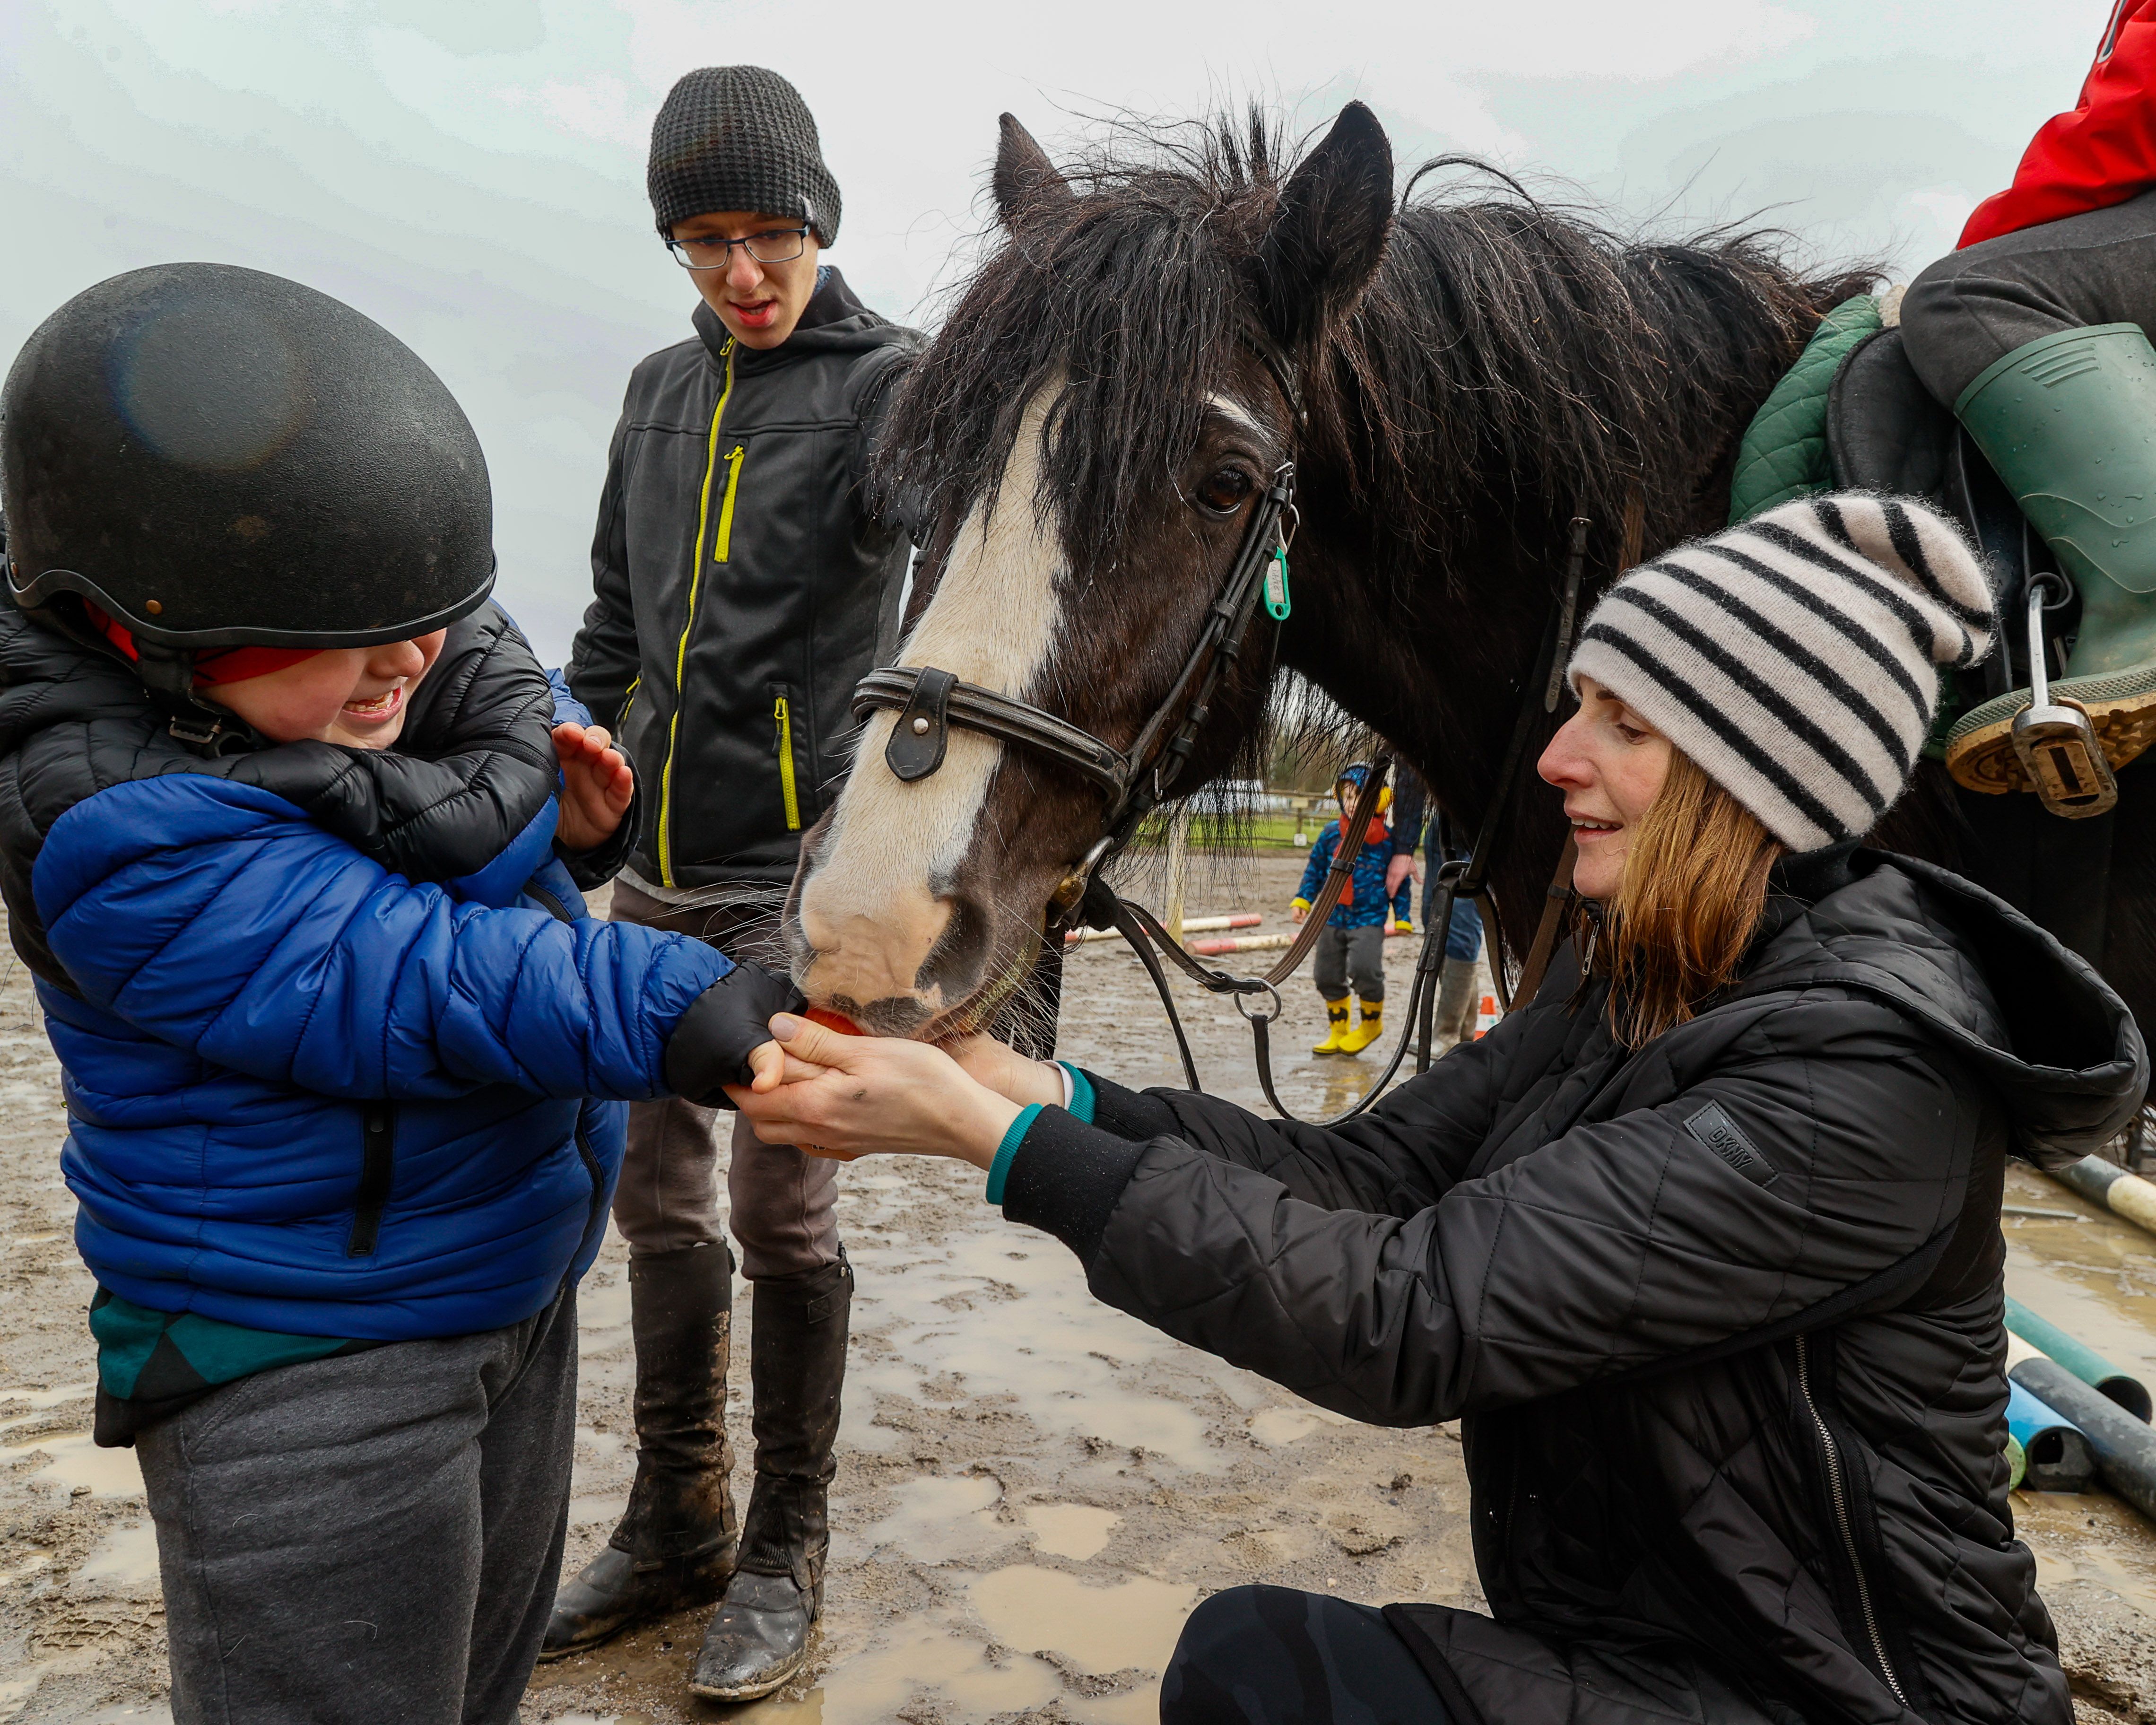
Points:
(1025, 180)
(1325, 240)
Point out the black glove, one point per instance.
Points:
(709, 1046)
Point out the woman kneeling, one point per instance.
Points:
(1702, 1245)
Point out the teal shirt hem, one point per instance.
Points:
(143, 1353)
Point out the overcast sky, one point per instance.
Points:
(471, 172)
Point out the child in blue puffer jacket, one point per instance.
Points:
(1352, 945)
(293, 828)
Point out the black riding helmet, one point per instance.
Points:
(219, 458)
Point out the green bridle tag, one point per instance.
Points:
(1277, 603)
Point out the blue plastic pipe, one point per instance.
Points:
(2125, 1448)
(2058, 1457)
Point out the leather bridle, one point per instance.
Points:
(1134, 782)
(930, 702)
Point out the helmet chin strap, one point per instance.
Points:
(168, 673)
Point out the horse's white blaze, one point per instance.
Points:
(1228, 408)
(876, 905)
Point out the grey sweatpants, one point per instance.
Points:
(783, 1201)
(368, 1540)
(1346, 954)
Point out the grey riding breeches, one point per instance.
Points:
(1975, 307)
(783, 1201)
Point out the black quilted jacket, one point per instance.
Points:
(1722, 1315)
(473, 766)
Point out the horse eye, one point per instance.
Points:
(1226, 491)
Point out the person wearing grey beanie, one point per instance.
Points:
(743, 198)
(742, 579)
(1700, 1244)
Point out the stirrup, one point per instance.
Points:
(2120, 708)
(2063, 740)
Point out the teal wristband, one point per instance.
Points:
(1007, 1151)
(1081, 1092)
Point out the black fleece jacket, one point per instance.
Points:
(740, 581)
(1722, 1313)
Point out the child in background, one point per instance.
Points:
(1352, 949)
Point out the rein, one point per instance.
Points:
(1466, 878)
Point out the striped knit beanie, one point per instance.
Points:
(1793, 658)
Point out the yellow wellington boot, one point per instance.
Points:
(1368, 1031)
(1335, 1037)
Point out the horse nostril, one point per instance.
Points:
(955, 964)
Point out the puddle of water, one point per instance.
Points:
(2096, 1279)
(1077, 1530)
(870, 1688)
(46, 1397)
(32, 1563)
(1074, 1375)
(606, 1508)
(2089, 1537)
(940, 1519)
(1275, 1427)
(1140, 1706)
(807, 1711)
(77, 1461)
(1132, 1623)
(601, 1443)
(154, 1712)
(15, 1693)
(1282, 1425)
(125, 1562)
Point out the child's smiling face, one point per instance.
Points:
(353, 695)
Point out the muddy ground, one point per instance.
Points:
(1033, 1491)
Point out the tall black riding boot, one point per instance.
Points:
(676, 1543)
(759, 1635)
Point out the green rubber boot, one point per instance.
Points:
(2069, 424)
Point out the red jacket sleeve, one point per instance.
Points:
(2101, 153)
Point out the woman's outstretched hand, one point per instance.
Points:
(856, 1095)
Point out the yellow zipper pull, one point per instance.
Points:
(723, 545)
(784, 721)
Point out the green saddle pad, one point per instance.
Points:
(1784, 454)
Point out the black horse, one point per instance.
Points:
(1456, 376)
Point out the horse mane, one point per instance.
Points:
(1130, 292)
(1529, 358)
(1577, 362)
(1515, 360)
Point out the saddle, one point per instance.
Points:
(1885, 431)
(1880, 428)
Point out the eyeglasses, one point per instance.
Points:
(714, 251)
